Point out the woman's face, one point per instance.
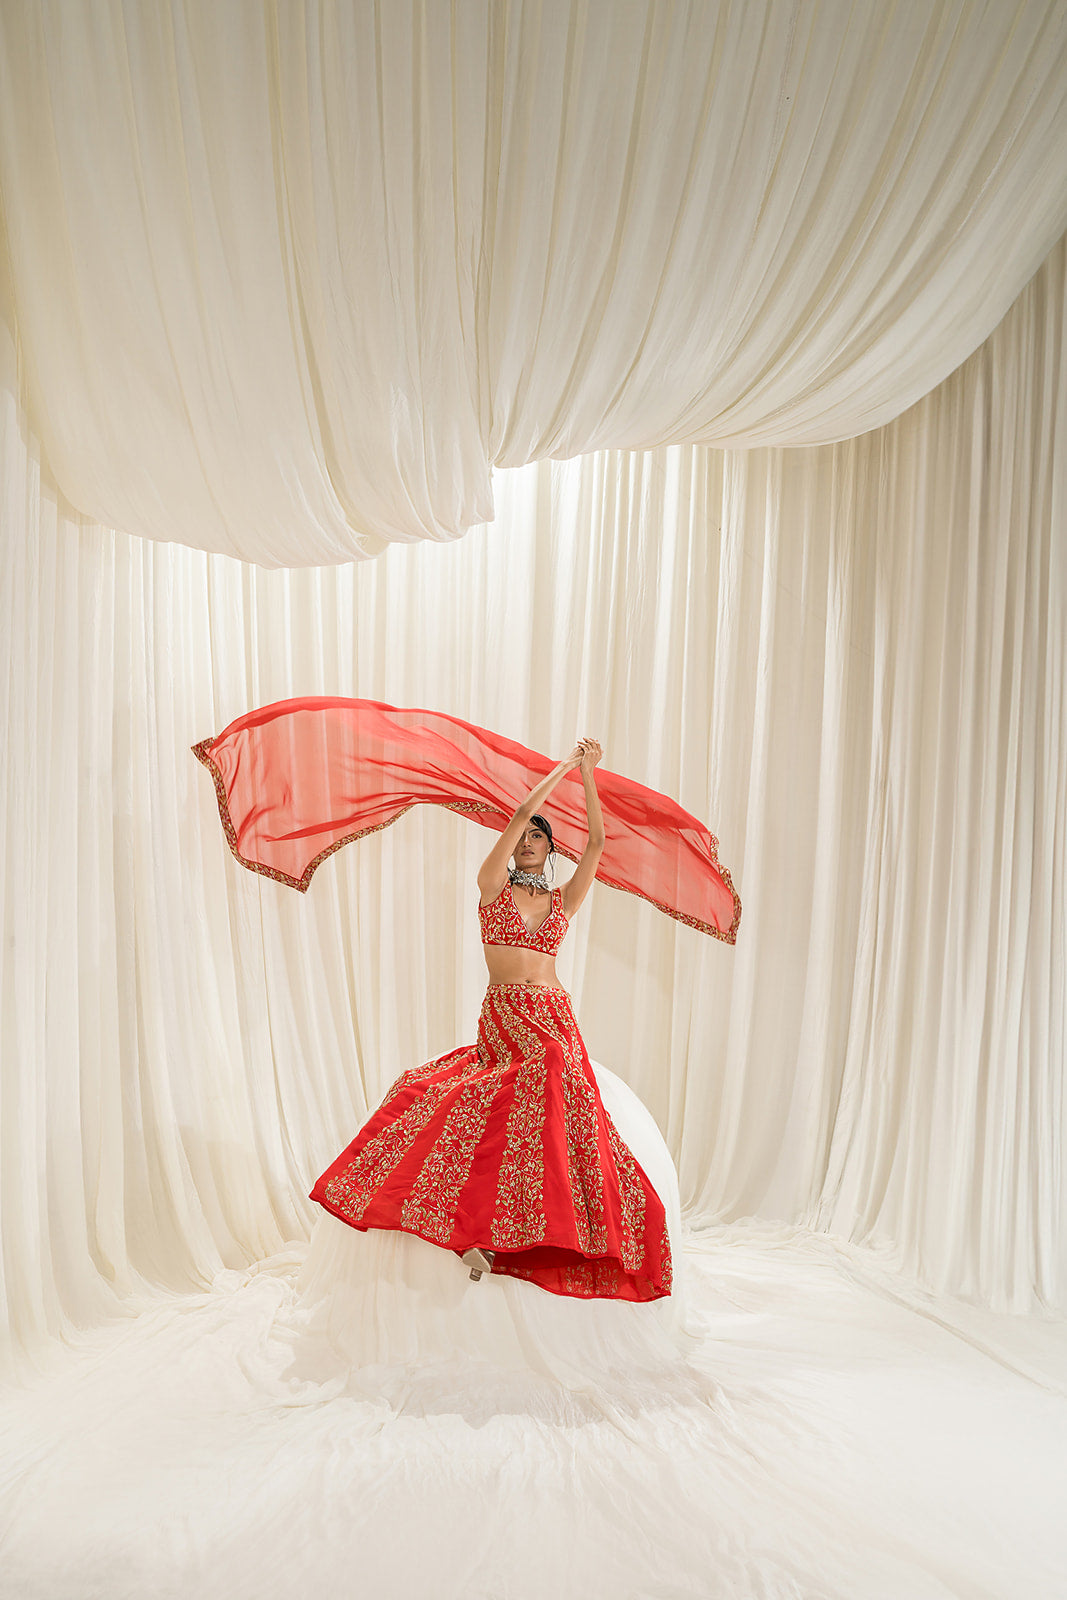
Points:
(531, 852)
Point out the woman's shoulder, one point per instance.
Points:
(484, 904)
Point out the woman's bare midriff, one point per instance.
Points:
(509, 964)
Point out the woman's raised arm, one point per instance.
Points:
(580, 882)
(494, 869)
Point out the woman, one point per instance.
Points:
(502, 1151)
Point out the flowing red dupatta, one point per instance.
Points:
(298, 779)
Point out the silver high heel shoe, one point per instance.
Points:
(479, 1261)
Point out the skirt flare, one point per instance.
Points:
(505, 1145)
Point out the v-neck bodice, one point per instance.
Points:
(502, 923)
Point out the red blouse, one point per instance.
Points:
(502, 923)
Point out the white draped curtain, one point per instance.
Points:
(849, 659)
(291, 278)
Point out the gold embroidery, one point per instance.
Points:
(588, 1278)
(583, 1157)
(580, 1102)
(430, 1208)
(666, 1259)
(631, 1199)
(202, 752)
(519, 1216)
(501, 923)
(528, 1047)
(529, 983)
(428, 1069)
(599, 1278)
(352, 1190)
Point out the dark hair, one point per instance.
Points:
(545, 827)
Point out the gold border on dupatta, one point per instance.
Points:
(202, 752)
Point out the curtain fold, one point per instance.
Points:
(851, 657)
(290, 280)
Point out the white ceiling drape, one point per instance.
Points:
(290, 279)
(851, 661)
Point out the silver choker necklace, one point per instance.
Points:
(529, 880)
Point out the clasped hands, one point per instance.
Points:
(586, 754)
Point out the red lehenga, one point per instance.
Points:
(505, 1145)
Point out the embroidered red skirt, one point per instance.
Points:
(505, 1144)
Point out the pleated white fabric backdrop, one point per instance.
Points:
(290, 277)
(849, 659)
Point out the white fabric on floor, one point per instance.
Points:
(290, 278)
(820, 1440)
(851, 663)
